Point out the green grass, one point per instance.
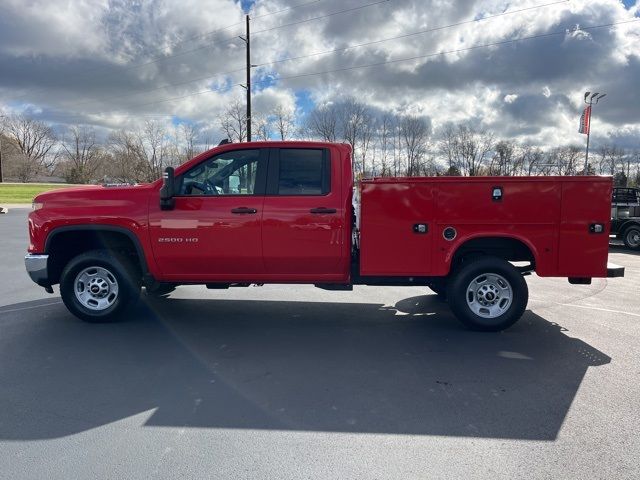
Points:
(24, 192)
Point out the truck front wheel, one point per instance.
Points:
(632, 237)
(97, 286)
(488, 294)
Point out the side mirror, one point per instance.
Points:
(167, 192)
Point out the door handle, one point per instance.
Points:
(243, 210)
(321, 210)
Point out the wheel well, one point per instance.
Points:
(65, 245)
(509, 249)
(629, 225)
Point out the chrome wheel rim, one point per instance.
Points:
(489, 295)
(96, 288)
(633, 238)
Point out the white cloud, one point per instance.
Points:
(72, 60)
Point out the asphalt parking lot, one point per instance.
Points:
(295, 382)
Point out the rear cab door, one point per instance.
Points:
(305, 229)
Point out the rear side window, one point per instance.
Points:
(303, 172)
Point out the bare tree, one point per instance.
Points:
(504, 159)
(415, 134)
(284, 121)
(466, 149)
(233, 121)
(189, 135)
(385, 135)
(34, 140)
(82, 154)
(261, 128)
(323, 123)
(564, 160)
(611, 160)
(128, 161)
(152, 148)
(354, 120)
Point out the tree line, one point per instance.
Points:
(383, 144)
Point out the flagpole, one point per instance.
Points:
(586, 156)
(586, 122)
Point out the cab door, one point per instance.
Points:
(214, 231)
(303, 220)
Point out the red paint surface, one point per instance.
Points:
(283, 242)
(551, 215)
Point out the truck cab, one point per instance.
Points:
(283, 212)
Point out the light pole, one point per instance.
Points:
(585, 124)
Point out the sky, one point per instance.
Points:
(517, 68)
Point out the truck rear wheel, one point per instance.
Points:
(98, 286)
(488, 294)
(632, 237)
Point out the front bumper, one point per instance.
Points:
(36, 266)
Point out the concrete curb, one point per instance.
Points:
(9, 206)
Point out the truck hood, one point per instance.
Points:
(90, 194)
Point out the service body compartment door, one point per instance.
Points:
(396, 228)
(586, 202)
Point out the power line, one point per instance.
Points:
(352, 9)
(206, 34)
(228, 40)
(347, 10)
(407, 59)
(421, 32)
(160, 58)
(458, 50)
(254, 17)
(406, 35)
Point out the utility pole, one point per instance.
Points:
(585, 125)
(248, 42)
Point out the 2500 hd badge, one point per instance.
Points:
(178, 240)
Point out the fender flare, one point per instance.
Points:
(502, 235)
(101, 228)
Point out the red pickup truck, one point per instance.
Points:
(283, 212)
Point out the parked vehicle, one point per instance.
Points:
(625, 216)
(282, 212)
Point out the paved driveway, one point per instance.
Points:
(295, 382)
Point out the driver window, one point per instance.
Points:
(229, 173)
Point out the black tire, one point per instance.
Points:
(124, 276)
(491, 311)
(631, 237)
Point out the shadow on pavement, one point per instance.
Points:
(621, 248)
(341, 367)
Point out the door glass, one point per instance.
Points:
(229, 173)
(301, 172)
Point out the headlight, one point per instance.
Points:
(36, 205)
